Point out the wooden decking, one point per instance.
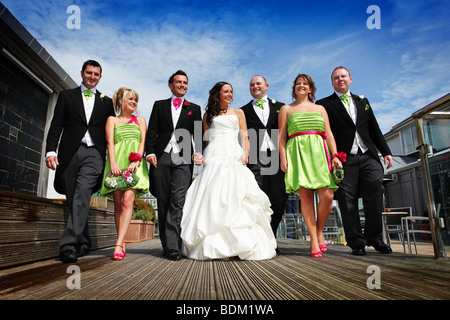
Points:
(293, 275)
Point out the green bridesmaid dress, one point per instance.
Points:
(127, 138)
(308, 159)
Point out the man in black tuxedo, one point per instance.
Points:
(357, 134)
(261, 114)
(79, 120)
(173, 122)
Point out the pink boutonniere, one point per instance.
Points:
(186, 103)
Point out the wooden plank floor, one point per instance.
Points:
(292, 275)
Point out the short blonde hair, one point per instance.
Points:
(120, 95)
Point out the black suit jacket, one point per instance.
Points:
(69, 123)
(160, 130)
(254, 122)
(160, 126)
(344, 128)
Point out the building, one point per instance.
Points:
(422, 141)
(30, 81)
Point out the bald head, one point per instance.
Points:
(258, 87)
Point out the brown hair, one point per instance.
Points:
(337, 68)
(213, 105)
(311, 83)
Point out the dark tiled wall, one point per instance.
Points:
(23, 110)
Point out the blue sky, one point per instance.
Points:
(400, 68)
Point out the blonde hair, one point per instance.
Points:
(120, 95)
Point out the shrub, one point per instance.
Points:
(143, 211)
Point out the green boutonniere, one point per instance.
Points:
(102, 97)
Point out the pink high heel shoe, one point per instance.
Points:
(323, 247)
(118, 256)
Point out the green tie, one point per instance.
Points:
(260, 103)
(88, 94)
(344, 98)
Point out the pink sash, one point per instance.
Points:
(133, 119)
(324, 136)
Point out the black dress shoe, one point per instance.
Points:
(382, 247)
(83, 252)
(68, 256)
(174, 255)
(359, 251)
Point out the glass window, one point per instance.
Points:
(437, 133)
(409, 139)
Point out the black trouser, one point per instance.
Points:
(171, 181)
(363, 178)
(79, 178)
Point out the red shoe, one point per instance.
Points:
(124, 248)
(323, 247)
(317, 254)
(118, 256)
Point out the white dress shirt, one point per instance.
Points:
(357, 142)
(263, 115)
(173, 145)
(88, 107)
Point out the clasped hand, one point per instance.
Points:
(116, 170)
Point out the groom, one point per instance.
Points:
(357, 134)
(173, 122)
(261, 114)
(76, 149)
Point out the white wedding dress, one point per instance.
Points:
(226, 214)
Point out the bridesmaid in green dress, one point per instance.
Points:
(125, 136)
(305, 138)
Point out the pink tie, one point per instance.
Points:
(177, 103)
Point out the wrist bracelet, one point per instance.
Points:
(340, 155)
(134, 157)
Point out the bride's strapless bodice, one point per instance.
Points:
(224, 128)
(223, 144)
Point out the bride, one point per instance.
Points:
(226, 214)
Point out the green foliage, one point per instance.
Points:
(143, 211)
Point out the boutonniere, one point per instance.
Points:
(360, 97)
(102, 97)
(186, 104)
(274, 101)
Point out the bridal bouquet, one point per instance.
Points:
(125, 180)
